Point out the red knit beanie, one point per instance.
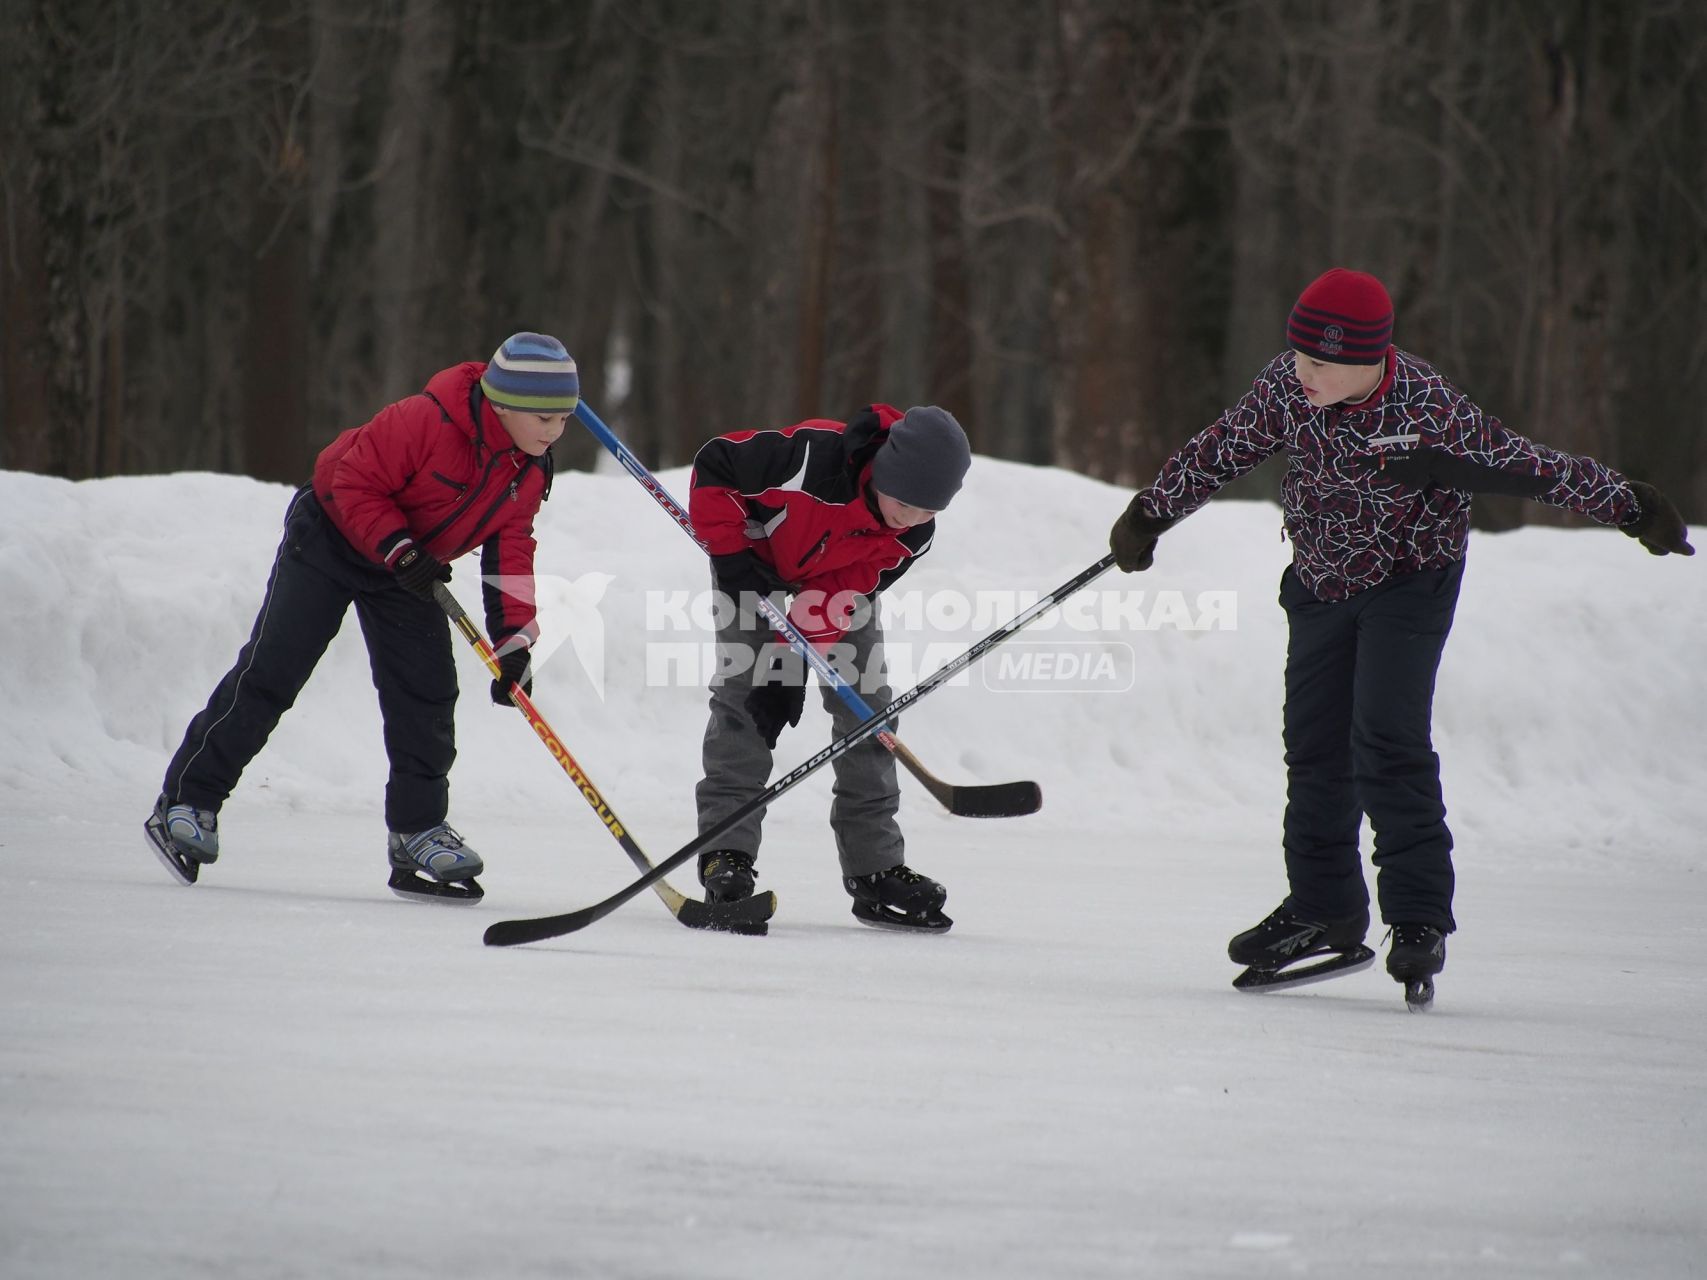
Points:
(1343, 317)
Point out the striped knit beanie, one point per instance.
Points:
(532, 372)
(1343, 317)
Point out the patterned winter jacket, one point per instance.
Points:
(1381, 487)
(439, 470)
(797, 497)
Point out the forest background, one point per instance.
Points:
(231, 230)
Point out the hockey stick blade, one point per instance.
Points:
(749, 915)
(998, 800)
(994, 800)
(509, 933)
(513, 933)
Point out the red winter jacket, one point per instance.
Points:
(1382, 487)
(421, 472)
(797, 497)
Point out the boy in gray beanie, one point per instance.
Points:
(831, 513)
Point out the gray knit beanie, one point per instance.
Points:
(924, 461)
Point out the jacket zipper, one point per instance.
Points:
(455, 484)
(508, 495)
(816, 548)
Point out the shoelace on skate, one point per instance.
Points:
(444, 835)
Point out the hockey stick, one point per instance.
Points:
(746, 916)
(996, 800)
(509, 933)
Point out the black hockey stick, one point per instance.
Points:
(746, 916)
(994, 800)
(509, 933)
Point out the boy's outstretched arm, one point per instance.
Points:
(1476, 453)
(1245, 435)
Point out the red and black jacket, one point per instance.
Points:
(799, 498)
(439, 471)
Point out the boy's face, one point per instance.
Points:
(898, 515)
(1326, 384)
(533, 433)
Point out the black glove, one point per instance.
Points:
(1659, 527)
(516, 670)
(744, 571)
(417, 570)
(1133, 538)
(778, 696)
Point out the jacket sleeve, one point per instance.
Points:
(731, 470)
(823, 610)
(1460, 447)
(507, 587)
(365, 483)
(1245, 435)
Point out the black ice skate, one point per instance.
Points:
(183, 837)
(1275, 952)
(727, 875)
(899, 898)
(1417, 954)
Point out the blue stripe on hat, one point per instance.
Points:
(532, 371)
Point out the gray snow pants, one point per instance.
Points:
(738, 764)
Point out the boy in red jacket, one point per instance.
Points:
(464, 464)
(1384, 456)
(832, 513)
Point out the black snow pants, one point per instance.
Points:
(316, 576)
(1358, 731)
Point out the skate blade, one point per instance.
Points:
(184, 870)
(1302, 975)
(932, 921)
(412, 887)
(1419, 994)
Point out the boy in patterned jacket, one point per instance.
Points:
(831, 513)
(464, 464)
(1384, 456)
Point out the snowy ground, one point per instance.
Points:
(283, 1071)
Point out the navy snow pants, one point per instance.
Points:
(1358, 731)
(316, 576)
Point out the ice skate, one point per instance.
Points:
(1277, 951)
(434, 865)
(899, 898)
(183, 837)
(726, 875)
(1418, 952)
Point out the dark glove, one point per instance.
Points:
(1659, 527)
(516, 670)
(1133, 538)
(778, 696)
(744, 571)
(417, 570)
